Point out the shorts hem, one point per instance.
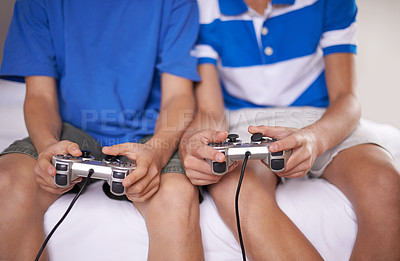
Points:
(18, 152)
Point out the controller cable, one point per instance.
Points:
(90, 173)
(246, 157)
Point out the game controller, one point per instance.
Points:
(234, 149)
(110, 169)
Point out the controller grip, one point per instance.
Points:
(117, 188)
(219, 168)
(278, 160)
(277, 165)
(61, 180)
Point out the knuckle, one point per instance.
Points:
(37, 169)
(189, 174)
(302, 174)
(194, 181)
(137, 189)
(307, 166)
(297, 140)
(158, 181)
(154, 171)
(135, 198)
(65, 143)
(59, 192)
(72, 144)
(188, 161)
(138, 200)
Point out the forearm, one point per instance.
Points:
(210, 112)
(339, 120)
(172, 121)
(344, 111)
(206, 119)
(176, 113)
(41, 111)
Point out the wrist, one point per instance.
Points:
(316, 138)
(41, 145)
(161, 147)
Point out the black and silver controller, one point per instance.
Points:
(110, 169)
(234, 149)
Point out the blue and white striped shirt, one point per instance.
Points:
(274, 59)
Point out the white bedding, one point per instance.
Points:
(99, 228)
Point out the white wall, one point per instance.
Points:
(378, 64)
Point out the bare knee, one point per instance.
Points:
(18, 189)
(257, 191)
(381, 181)
(377, 192)
(177, 199)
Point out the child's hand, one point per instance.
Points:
(45, 171)
(302, 142)
(194, 151)
(144, 181)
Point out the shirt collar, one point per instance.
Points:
(237, 7)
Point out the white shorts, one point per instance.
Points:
(296, 117)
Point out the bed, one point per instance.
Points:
(99, 228)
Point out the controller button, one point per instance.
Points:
(118, 175)
(277, 164)
(61, 180)
(232, 137)
(278, 153)
(85, 154)
(257, 137)
(219, 167)
(117, 187)
(62, 167)
(109, 158)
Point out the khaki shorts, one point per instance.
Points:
(296, 117)
(86, 142)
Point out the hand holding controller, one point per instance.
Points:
(109, 169)
(234, 149)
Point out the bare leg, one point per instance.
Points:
(172, 220)
(22, 205)
(368, 177)
(268, 233)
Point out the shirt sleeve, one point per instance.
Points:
(206, 49)
(176, 45)
(28, 48)
(339, 27)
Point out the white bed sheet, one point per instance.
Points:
(98, 228)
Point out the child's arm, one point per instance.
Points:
(339, 120)
(43, 123)
(41, 111)
(208, 126)
(176, 113)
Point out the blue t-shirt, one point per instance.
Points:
(274, 59)
(107, 57)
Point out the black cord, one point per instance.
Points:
(246, 157)
(90, 173)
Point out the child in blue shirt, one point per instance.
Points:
(102, 73)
